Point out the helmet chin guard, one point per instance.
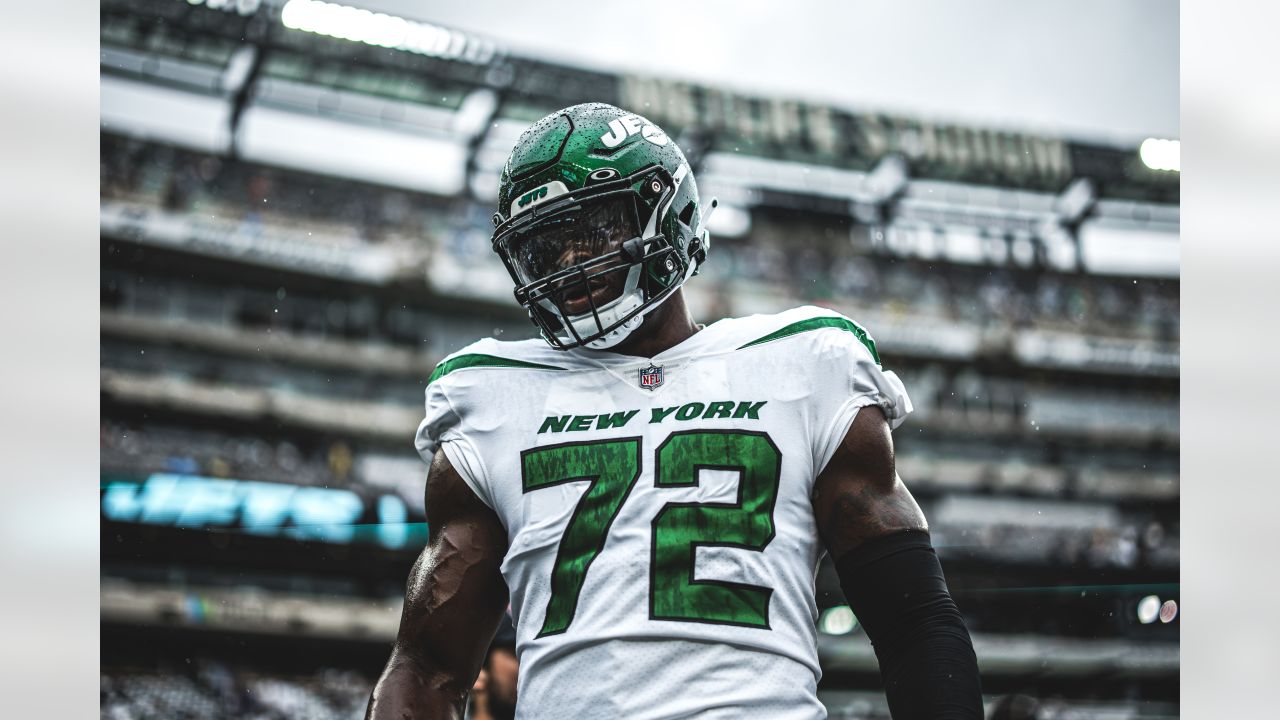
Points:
(622, 307)
(618, 312)
(617, 336)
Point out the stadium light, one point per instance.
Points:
(373, 28)
(1160, 154)
(1148, 609)
(729, 221)
(838, 620)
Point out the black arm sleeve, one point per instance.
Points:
(895, 586)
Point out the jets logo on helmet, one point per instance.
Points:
(553, 189)
(626, 126)
(599, 229)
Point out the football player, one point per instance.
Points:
(653, 494)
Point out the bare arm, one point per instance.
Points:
(454, 601)
(859, 496)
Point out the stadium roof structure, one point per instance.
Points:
(252, 53)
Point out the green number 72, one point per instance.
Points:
(612, 468)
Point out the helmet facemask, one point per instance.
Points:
(585, 267)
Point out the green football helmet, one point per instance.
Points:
(598, 222)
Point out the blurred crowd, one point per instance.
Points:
(182, 181)
(209, 689)
(999, 403)
(1131, 546)
(811, 263)
(836, 271)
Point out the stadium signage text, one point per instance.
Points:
(259, 508)
(936, 150)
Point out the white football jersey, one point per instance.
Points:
(663, 547)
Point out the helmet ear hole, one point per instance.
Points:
(686, 215)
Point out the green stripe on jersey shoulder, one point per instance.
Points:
(481, 360)
(819, 323)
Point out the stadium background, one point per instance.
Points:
(294, 230)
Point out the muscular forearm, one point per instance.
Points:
(412, 689)
(895, 586)
(453, 602)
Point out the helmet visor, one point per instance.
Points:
(577, 235)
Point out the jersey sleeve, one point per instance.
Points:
(443, 428)
(852, 379)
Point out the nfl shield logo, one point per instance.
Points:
(651, 377)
